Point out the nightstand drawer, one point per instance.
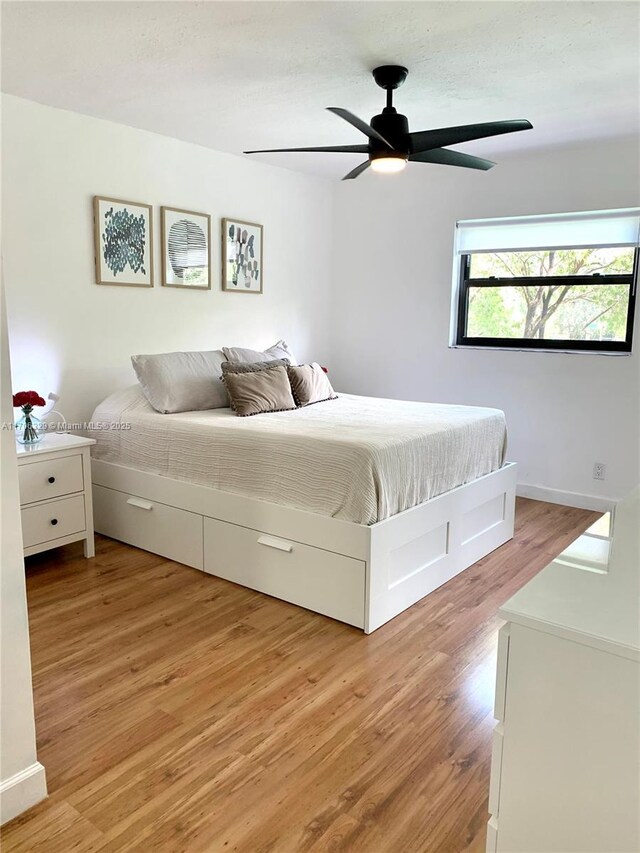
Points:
(52, 520)
(50, 478)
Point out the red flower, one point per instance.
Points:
(27, 398)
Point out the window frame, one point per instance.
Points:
(548, 344)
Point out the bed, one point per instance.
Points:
(355, 508)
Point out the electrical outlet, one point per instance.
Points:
(599, 470)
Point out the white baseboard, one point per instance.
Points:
(21, 791)
(555, 496)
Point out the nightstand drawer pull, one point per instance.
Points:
(51, 480)
(272, 542)
(140, 503)
(54, 521)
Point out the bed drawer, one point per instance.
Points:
(50, 478)
(311, 577)
(52, 520)
(152, 526)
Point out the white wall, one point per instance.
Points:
(366, 290)
(391, 307)
(74, 337)
(22, 779)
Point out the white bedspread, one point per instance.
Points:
(361, 459)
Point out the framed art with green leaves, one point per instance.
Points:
(123, 242)
(241, 256)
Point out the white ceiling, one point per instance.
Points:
(236, 75)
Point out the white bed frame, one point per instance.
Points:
(362, 575)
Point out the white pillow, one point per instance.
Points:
(240, 355)
(182, 381)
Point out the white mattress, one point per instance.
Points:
(361, 459)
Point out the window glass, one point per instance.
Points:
(560, 296)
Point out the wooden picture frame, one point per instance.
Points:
(245, 276)
(177, 227)
(124, 249)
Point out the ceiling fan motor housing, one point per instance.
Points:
(395, 129)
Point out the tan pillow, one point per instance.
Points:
(310, 384)
(258, 388)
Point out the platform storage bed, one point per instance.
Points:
(355, 508)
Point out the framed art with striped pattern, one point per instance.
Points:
(186, 248)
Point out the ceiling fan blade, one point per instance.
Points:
(452, 158)
(362, 126)
(357, 171)
(349, 149)
(425, 140)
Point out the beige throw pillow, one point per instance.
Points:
(258, 388)
(310, 384)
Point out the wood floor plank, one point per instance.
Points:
(61, 828)
(178, 712)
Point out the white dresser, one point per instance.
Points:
(55, 493)
(565, 771)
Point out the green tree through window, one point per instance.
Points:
(560, 295)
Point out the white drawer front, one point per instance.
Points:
(52, 520)
(501, 673)
(50, 478)
(492, 836)
(311, 577)
(496, 770)
(156, 527)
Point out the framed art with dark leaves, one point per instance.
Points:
(123, 233)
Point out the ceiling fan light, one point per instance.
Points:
(388, 165)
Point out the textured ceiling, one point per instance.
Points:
(235, 75)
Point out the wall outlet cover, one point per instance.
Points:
(599, 470)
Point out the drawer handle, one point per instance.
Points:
(140, 503)
(272, 542)
(51, 480)
(54, 521)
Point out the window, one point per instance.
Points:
(576, 296)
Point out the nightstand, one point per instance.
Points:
(55, 493)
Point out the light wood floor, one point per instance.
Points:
(178, 712)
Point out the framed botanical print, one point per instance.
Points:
(241, 256)
(186, 248)
(123, 232)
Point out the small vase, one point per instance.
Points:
(29, 429)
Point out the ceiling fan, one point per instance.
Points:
(391, 145)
